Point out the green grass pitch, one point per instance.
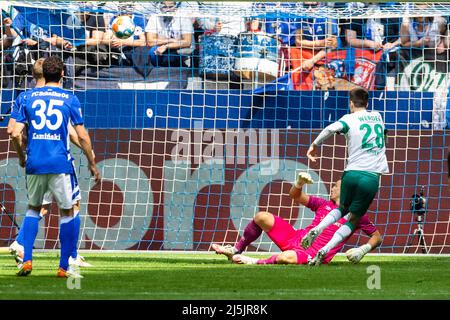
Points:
(208, 276)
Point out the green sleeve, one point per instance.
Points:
(346, 127)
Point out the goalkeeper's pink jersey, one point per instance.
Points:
(322, 207)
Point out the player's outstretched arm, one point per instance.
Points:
(16, 137)
(86, 146)
(296, 193)
(355, 255)
(325, 134)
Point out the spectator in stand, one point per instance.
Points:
(257, 53)
(31, 42)
(6, 41)
(191, 9)
(169, 36)
(378, 34)
(421, 33)
(125, 47)
(218, 44)
(94, 23)
(283, 28)
(37, 39)
(278, 23)
(223, 26)
(93, 54)
(373, 33)
(313, 37)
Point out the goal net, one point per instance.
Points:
(196, 134)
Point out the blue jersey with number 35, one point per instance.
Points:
(48, 111)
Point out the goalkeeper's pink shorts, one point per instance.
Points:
(287, 238)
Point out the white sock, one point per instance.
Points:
(33, 213)
(342, 233)
(329, 219)
(65, 219)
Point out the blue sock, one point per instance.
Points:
(77, 223)
(30, 228)
(19, 237)
(66, 239)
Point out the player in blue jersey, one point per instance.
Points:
(48, 112)
(16, 248)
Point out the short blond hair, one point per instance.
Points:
(38, 72)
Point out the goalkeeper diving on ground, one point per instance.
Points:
(289, 240)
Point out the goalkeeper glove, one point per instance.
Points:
(302, 178)
(355, 255)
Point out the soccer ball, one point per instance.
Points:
(123, 27)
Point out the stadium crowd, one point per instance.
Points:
(320, 53)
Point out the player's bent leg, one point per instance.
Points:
(283, 234)
(340, 235)
(287, 257)
(278, 230)
(354, 219)
(265, 220)
(261, 221)
(332, 217)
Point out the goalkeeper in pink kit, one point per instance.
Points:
(289, 240)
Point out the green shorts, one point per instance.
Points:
(358, 189)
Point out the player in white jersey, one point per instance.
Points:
(366, 135)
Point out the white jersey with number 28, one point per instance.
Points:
(364, 132)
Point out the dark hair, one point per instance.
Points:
(359, 97)
(52, 69)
